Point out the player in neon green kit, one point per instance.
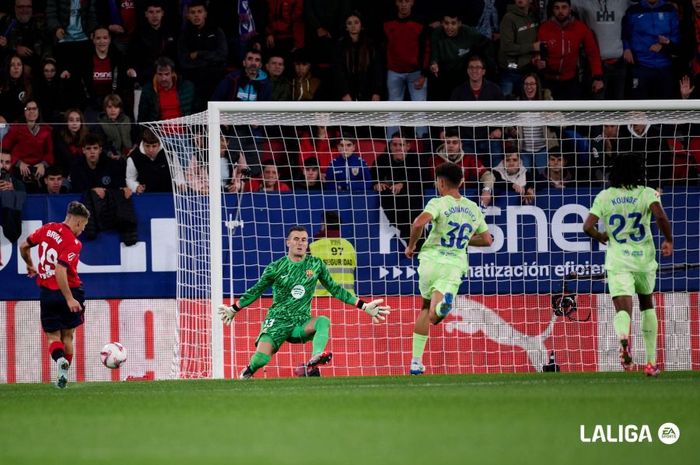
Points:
(457, 223)
(293, 279)
(630, 260)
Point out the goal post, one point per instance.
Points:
(503, 323)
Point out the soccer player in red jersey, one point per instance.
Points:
(62, 297)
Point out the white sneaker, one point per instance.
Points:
(417, 368)
(62, 379)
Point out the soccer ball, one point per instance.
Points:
(113, 355)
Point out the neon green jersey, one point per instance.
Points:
(627, 216)
(293, 285)
(454, 222)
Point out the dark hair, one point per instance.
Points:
(298, 228)
(149, 137)
(628, 171)
(451, 173)
(92, 139)
(76, 208)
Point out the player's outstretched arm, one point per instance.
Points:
(590, 228)
(665, 227)
(374, 309)
(416, 231)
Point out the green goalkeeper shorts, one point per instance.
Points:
(631, 282)
(277, 331)
(438, 277)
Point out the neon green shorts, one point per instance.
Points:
(631, 282)
(276, 332)
(438, 277)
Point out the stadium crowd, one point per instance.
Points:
(79, 75)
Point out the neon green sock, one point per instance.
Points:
(419, 342)
(322, 327)
(621, 323)
(258, 360)
(650, 329)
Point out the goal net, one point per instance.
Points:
(356, 175)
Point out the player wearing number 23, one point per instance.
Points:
(61, 296)
(457, 223)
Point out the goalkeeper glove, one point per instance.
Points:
(374, 309)
(227, 313)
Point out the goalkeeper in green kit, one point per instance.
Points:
(457, 222)
(293, 279)
(630, 259)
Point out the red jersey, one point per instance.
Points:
(57, 244)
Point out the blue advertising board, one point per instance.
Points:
(535, 245)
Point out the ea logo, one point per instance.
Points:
(669, 433)
(298, 291)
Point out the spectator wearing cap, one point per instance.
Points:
(311, 180)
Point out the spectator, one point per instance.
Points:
(475, 174)
(54, 93)
(54, 181)
(650, 36)
(15, 89)
(152, 40)
(451, 45)
(116, 128)
(556, 175)
(358, 67)
(95, 171)
(511, 176)
(407, 59)
(21, 35)
(348, 171)
(102, 181)
(68, 140)
(202, 52)
(605, 20)
(484, 141)
(304, 85)
(249, 85)
(281, 87)
(312, 177)
(324, 26)
(71, 28)
(270, 180)
(31, 146)
(168, 96)
(398, 177)
(107, 73)
(243, 23)
(121, 19)
(12, 197)
(518, 45)
(285, 25)
(562, 37)
(147, 167)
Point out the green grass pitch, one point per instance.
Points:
(475, 419)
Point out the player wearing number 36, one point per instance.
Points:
(630, 259)
(293, 279)
(61, 297)
(457, 223)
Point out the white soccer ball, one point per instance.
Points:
(113, 355)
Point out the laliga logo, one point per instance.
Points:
(668, 433)
(471, 317)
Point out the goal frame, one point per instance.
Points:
(213, 118)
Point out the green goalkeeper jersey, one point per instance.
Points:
(454, 222)
(627, 216)
(293, 285)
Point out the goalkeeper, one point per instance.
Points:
(293, 279)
